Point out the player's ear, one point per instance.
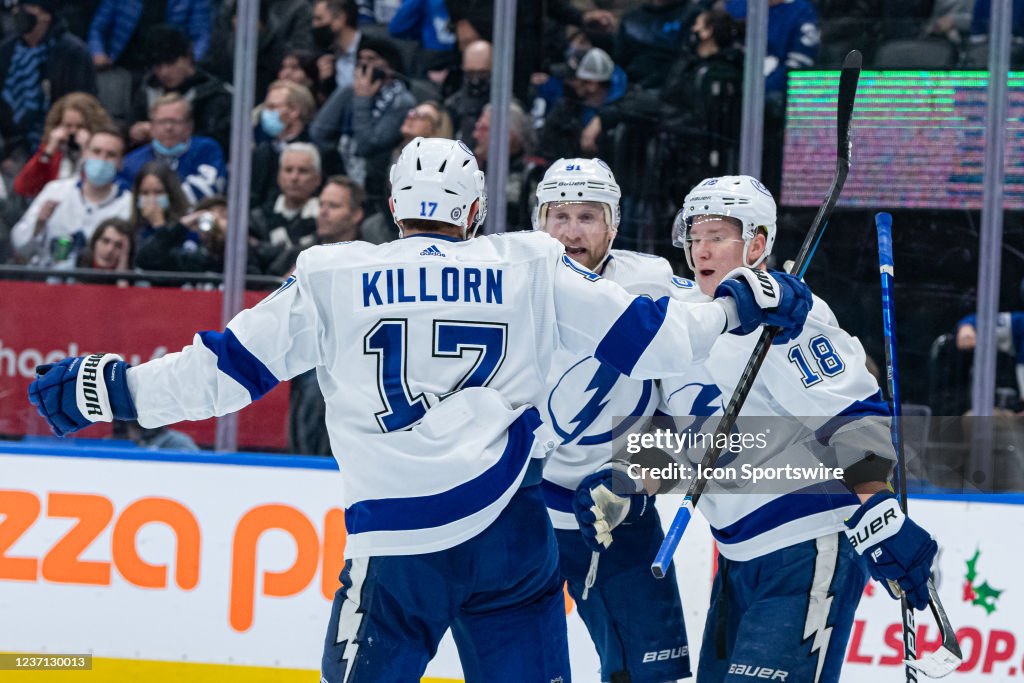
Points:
(473, 211)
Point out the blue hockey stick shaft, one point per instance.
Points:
(949, 656)
(883, 224)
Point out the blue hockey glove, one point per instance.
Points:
(76, 392)
(764, 298)
(895, 548)
(604, 500)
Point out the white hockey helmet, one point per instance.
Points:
(439, 180)
(578, 180)
(734, 196)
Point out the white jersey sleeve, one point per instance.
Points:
(638, 336)
(221, 372)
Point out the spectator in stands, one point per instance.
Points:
(282, 24)
(1009, 339)
(111, 246)
(651, 37)
(170, 239)
(299, 66)
(426, 21)
(474, 20)
(426, 120)
(174, 71)
(794, 36)
(119, 28)
(378, 12)
(69, 124)
(574, 125)
(63, 217)
(197, 160)
(365, 121)
(468, 102)
(701, 102)
(290, 219)
(287, 110)
(522, 174)
(339, 220)
(40, 64)
(951, 19)
(335, 34)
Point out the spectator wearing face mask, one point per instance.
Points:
(468, 102)
(41, 63)
(336, 36)
(284, 117)
(170, 238)
(197, 160)
(61, 220)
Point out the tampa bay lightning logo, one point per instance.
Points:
(585, 392)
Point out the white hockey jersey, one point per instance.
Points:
(817, 385)
(585, 395)
(431, 354)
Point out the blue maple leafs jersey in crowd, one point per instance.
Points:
(432, 355)
(829, 409)
(585, 395)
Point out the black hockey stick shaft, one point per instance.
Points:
(886, 271)
(844, 113)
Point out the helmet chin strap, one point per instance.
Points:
(746, 249)
(607, 253)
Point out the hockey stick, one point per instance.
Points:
(844, 112)
(947, 658)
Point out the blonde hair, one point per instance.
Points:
(299, 97)
(171, 98)
(89, 107)
(444, 128)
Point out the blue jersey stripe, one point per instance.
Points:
(787, 508)
(423, 512)
(873, 405)
(238, 363)
(557, 497)
(632, 333)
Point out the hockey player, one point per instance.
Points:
(578, 204)
(793, 563)
(431, 352)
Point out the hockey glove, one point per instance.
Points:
(764, 298)
(76, 392)
(606, 499)
(895, 548)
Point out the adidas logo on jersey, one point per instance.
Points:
(432, 250)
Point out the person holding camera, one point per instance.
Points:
(170, 238)
(364, 121)
(68, 127)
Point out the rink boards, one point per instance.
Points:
(222, 567)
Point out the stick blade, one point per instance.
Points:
(853, 60)
(936, 664)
